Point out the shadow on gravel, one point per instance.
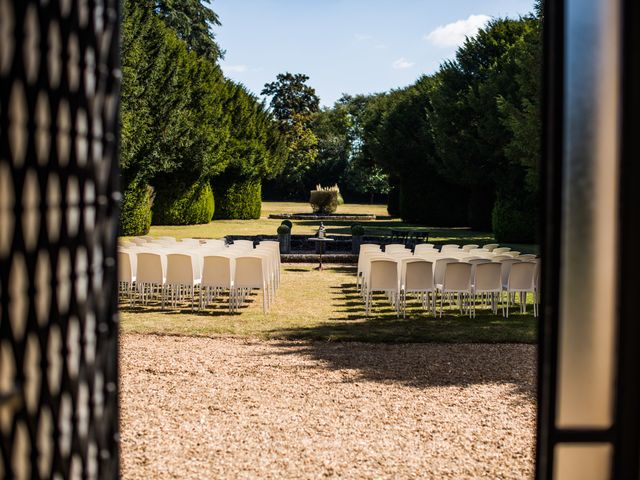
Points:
(427, 365)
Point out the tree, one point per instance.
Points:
(293, 104)
(174, 127)
(193, 22)
(292, 100)
(255, 150)
(467, 125)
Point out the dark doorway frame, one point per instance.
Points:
(623, 435)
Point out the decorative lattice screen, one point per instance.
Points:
(59, 97)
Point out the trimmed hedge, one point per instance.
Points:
(178, 204)
(514, 221)
(393, 201)
(324, 201)
(430, 200)
(135, 215)
(237, 198)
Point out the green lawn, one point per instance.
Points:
(265, 226)
(324, 305)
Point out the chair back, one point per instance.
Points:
(394, 247)
(369, 247)
(488, 276)
(424, 248)
(506, 268)
(468, 248)
(490, 246)
(500, 250)
(180, 269)
(475, 261)
(126, 272)
(250, 272)
(383, 275)
(450, 246)
(151, 268)
(418, 275)
(522, 276)
(457, 276)
(439, 268)
(243, 243)
(217, 271)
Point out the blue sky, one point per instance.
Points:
(348, 46)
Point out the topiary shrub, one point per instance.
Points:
(357, 230)
(135, 214)
(324, 201)
(514, 221)
(237, 198)
(179, 204)
(284, 230)
(287, 223)
(284, 238)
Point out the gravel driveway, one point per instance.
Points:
(219, 408)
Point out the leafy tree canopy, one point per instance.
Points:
(292, 100)
(192, 20)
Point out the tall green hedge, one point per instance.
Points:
(430, 200)
(135, 215)
(237, 198)
(179, 204)
(393, 201)
(514, 220)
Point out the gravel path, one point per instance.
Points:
(219, 408)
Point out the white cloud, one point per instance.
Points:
(234, 68)
(454, 34)
(362, 37)
(402, 63)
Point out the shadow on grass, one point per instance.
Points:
(450, 351)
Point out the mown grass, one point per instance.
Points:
(266, 226)
(324, 305)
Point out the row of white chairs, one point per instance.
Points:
(398, 272)
(172, 271)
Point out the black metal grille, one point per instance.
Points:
(59, 95)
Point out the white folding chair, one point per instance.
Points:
(488, 284)
(366, 251)
(417, 277)
(183, 276)
(522, 281)
(506, 268)
(151, 276)
(243, 243)
(457, 280)
(251, 274)
(500, 250)
(450, 246)
(217, 276)
(490, 246)
(468, 248)
(126, 274)
(424, 248)
(395, 247)
(382, 277)
(439, 267)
